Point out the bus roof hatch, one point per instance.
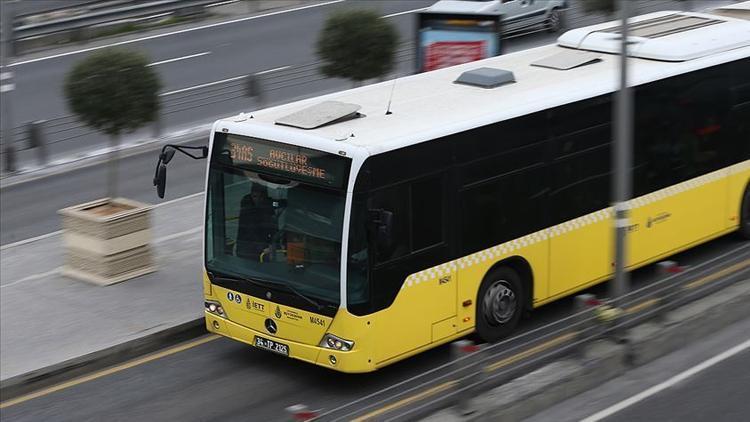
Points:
(664, 36)
(321, 114)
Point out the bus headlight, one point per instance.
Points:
(215, 308)
(336, 343)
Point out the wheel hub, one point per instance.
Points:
(500, 303)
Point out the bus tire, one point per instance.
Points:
(745, 214)
(500, 303)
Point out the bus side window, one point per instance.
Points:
(581, 159)
(683, 128)
(417, 209)
(427, 212)
(396, 200)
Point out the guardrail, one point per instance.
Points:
(474, 369)
(131, 10)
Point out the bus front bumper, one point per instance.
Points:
(352, 361)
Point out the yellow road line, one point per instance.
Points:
(423, 394)
(108, 371)
(534, 350)
(718, 274)
(641, 306)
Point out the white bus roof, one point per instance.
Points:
(430, 105)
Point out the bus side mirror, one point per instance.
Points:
(167, 155)
(160, 181)
(381, 222)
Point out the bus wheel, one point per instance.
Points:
(745, 214)
(499, 304)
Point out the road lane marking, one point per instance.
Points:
(427, 393)
(59, 232)
(263, 72)
(109, 371)
(194, 230)
(207, 84)
(191, 88)
(182, 31)
(32, 277)
(532, 351)
(177, 59)
(712, 277)
(641, 306)
(222, 3)
(403, 13)
(30, 240)
(668, 383)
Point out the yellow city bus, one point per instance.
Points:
(359, 228)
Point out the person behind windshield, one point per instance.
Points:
(256, 223)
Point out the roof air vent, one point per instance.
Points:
(325, 113)
(486, 77)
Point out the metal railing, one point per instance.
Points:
(117, 12)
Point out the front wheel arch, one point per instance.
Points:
(521, 266)
(744, 228)
(502, 298)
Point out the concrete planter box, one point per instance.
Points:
(107, 241)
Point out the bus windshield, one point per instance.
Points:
(273, 230)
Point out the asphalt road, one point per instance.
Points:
(661, 390)
(718, 394)
(226, 380)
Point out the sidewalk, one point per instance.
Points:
(46, 318)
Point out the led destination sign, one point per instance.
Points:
(288, 161)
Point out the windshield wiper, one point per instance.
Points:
(291, 288)
(266, 284)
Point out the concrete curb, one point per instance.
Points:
(604, 360)
(79, 366)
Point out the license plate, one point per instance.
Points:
(272, 346)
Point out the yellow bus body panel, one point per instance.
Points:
(438, 304)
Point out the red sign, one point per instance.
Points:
(450, 53)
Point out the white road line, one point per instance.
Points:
(403, 13)
(177, 59)
(162, 239)
(668, 383)
(59, 232)
(235, 78)
(32, 277)
(29, 240)
(176, 200)
(190, 88)
(222, 3)
(263, 72)
(182, 31)
(173, 236)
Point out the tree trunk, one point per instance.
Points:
(112, 179)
